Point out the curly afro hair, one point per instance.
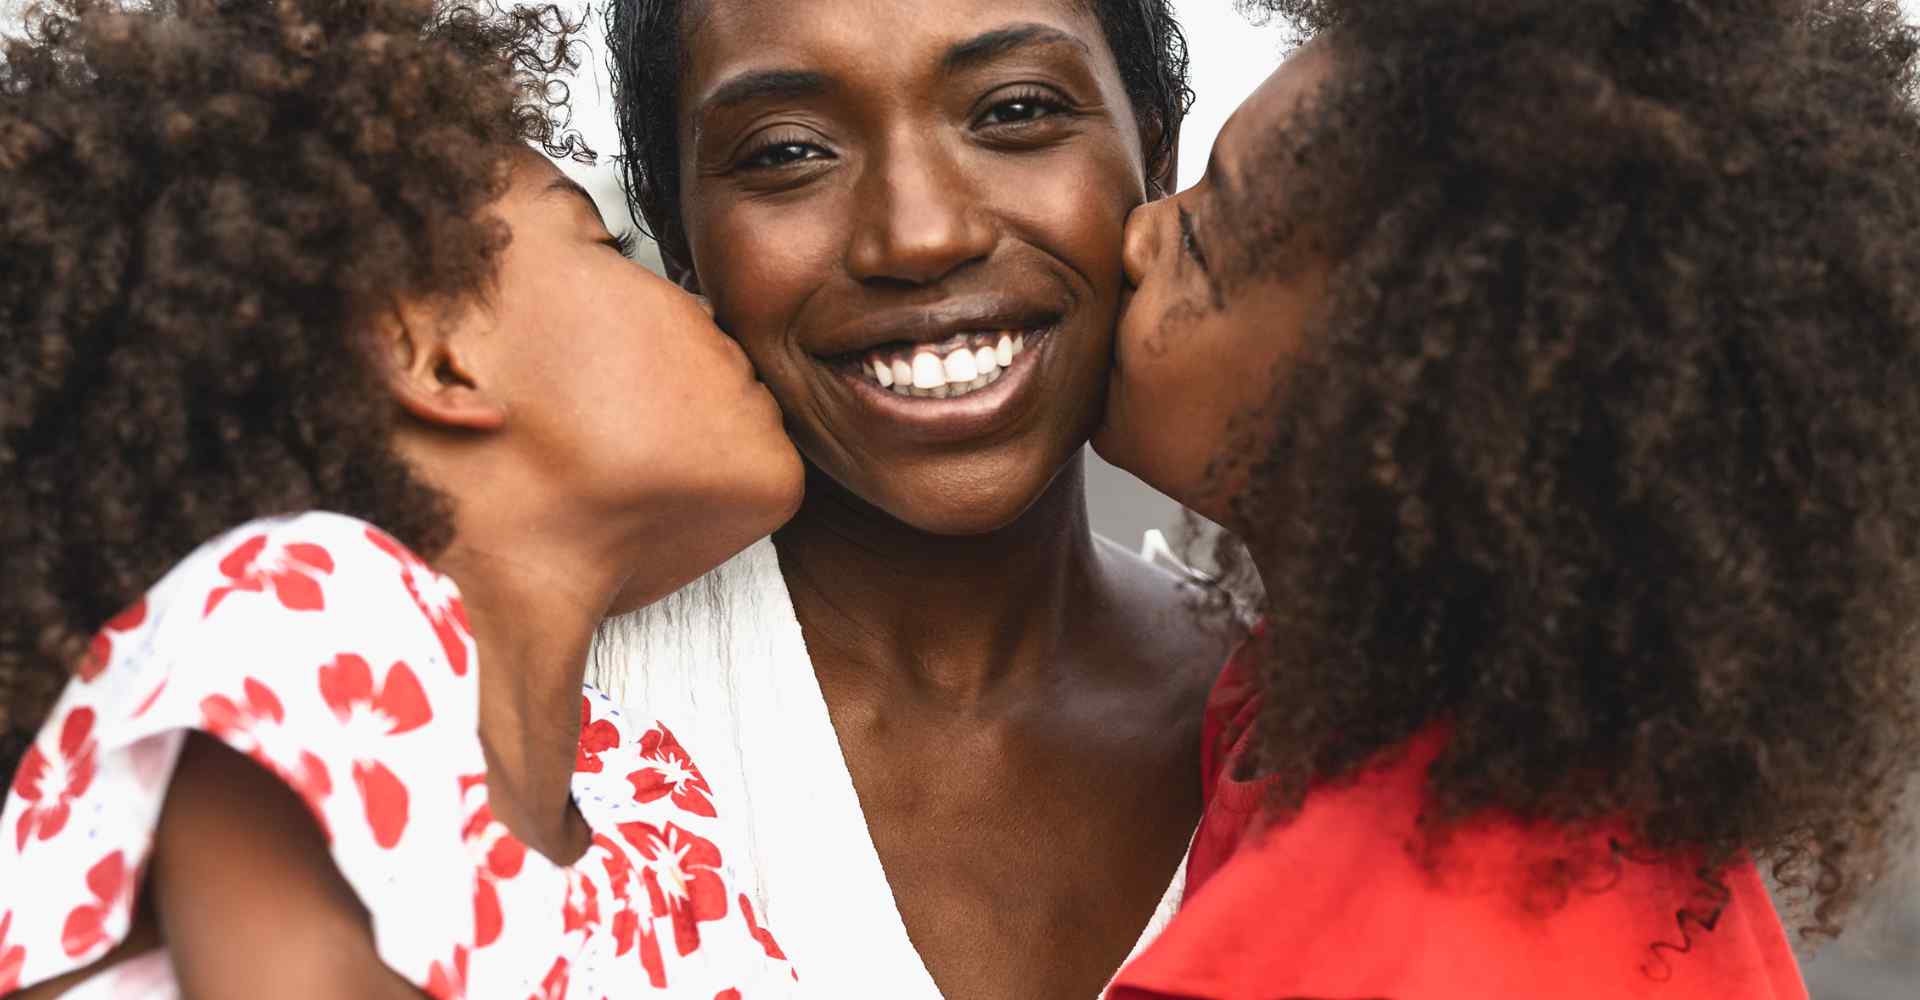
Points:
(203, 206)
(643, 38)
(1605, 452)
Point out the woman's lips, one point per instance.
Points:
(953, 368)
(949, 394)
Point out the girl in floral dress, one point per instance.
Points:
(1558, 365)
(333, 422)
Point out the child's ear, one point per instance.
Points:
(433, 372)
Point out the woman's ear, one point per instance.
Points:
(433, 370)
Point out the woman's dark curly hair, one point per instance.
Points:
(204, 204)
(643, 39)
(1604, 456)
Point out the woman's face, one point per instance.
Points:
(1212, 323)
(624, 395)
(910, 216)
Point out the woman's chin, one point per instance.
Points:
(978, 500)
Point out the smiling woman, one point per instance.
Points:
(906, 213)
(910, 218)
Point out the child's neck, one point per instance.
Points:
(533, 612)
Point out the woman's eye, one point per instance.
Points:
(1020, 110)
(782, 154)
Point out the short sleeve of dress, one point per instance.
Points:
(317, 646)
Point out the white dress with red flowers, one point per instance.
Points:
(340, 662)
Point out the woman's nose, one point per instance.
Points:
(919, 220)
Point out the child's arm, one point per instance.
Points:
(249, 901)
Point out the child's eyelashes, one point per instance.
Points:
(1190, 241)
(625, 242)
(1191, 247)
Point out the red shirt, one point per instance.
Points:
(1335, 904)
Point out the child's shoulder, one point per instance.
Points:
(312, 577)
(298, 561)
(317, 647)
(275, 611)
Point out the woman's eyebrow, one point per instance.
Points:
(760, 85)
(990, 45)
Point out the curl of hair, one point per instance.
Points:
(204, 207)
(1605, 454)
(643, 40)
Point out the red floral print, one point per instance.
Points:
(255, 727)
(86, 925)
(290, 571)
(682, 882)
(596, 738)
(436, 598)
(626, 923)
(761, 934)
(448, 981)
(12, 958)
(505, 859)
(385, 799)
(100, 651)
(53, 783)
(581, 910)
(147, 703)
(554, 987)
(670, 771)
(627, 926)
(399, 706)
(727, 995)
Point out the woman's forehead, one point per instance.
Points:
(855, 35)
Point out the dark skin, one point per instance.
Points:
(523, 412)
(1194, 327)
(856, 176)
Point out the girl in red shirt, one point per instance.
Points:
(1558, 367)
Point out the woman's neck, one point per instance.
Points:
(958, 616)
(533, 606)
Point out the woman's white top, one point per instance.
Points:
(725, 660)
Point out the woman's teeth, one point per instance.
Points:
(969, 368)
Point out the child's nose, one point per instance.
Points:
(1142, 242)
